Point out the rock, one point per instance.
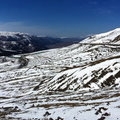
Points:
(100, 110)
(106, 114)
(102, 118)
(59, 118)
(47, 114)
(51, 119)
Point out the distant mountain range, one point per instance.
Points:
(16, 43)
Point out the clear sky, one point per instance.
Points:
(63, 18)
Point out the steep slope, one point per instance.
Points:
(70, 83)
(95, 75)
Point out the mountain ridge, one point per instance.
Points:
(24, 43)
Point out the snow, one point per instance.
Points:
(12, 34)
(104, 37)
(69, 81)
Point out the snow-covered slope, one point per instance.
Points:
(82, 79)
(103, 37)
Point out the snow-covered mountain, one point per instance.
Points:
(18, 43)
(14, 43)
(67, 83)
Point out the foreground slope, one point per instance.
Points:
(71, 83)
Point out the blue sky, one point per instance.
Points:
(62, 18)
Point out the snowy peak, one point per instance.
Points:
(12, 34)
(106, 37)
(15, 41)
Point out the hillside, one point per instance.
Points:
(69, 83)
